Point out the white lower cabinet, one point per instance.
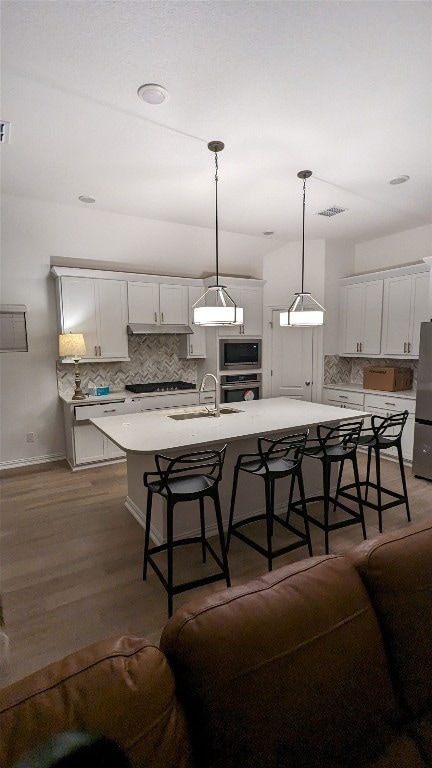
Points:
(380, 404)
(386, 405)
(91, 445)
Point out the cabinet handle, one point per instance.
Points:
(109, 410)
(100, 351)
(361, 345)
(155, 317)
(387, 403)
(162, 317)
(404, 346)
(343, 397)
(95, 351)
(191, 349)
(409, 346)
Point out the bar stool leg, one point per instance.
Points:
(147, 531)
(218, 511)
(201, 506)
(290, 498)
(369, 456)
(269, 519)
(358, 488)
(170, 556)
(404, 486)
(304, 508)
(338, 484)
(272, 498)
(326, 487)
(232, 505)
(378, 482)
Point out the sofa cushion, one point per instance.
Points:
(122, 688)
(288, 670)
(396, 569)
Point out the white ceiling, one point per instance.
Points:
(341, 88)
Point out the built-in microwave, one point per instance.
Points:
(235, 354)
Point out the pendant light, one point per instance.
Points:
(305, 310)
(216, 307)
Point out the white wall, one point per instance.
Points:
(32, 232)
(406, 247)
(339, 262)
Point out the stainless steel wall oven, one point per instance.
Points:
(239, 387)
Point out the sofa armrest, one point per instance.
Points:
(122, 688)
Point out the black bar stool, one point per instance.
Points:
(385, 432)
(336, 445)
(275, 459)
(190, 477)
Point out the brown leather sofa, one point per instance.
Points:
(326, 663)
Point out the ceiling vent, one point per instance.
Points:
(4, 132)
(333, 211)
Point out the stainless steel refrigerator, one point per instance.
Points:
(422, 458)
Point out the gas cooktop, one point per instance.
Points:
(159, 386)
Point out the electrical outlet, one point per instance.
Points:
(31, 437)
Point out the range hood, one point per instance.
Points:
(147, 329)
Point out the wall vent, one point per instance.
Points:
(4, 132)
(333, 211)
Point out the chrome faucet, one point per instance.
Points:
(216, 410)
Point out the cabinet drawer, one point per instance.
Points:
(344, 396)
(84, 412)
(389, 403)
(162, 401)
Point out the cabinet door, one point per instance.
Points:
(252, 302)
(372, 317)
(196, 342)
(173, 303)
(397, 314)
(112, 319)
(143, 303)
(78, 310)
(89, 444)
(112, 451)
(352, 300)
(420, 313)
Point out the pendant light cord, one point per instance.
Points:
(217, 227)
(303, 238)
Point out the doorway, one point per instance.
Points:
(291, 360)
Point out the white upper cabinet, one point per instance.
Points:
(250, 298)
(361, 314)
(98, 309)
(158, 304)
(193, 345)
(405, 307)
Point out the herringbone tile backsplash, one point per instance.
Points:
(152, 358)
(349, 370)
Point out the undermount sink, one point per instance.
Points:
(203, 414)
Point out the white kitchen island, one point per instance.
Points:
(142, 435)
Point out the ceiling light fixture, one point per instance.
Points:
(268, 232)
(222, 309)
(153, 94)
(399, 180)
(305, 310)
(87, 199)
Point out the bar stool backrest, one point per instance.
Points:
(290, 447)
(390, 427)
(344, 435)
(207, 462)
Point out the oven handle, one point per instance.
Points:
(242, 385)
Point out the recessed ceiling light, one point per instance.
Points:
(153, 94)
(87, 199)
(399, 180)
(268, 232)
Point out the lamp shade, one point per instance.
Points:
(303, 312)
(71, 345)
(221, 309)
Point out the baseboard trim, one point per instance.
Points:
(16, 463)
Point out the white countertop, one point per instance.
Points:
(410, 393)
(119, 395)
(154, 432)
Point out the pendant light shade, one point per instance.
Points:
(305, 311)
(215, 306)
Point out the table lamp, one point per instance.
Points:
(73, 345)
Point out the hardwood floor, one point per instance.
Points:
(72, 559)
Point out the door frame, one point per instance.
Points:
(317, 355)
